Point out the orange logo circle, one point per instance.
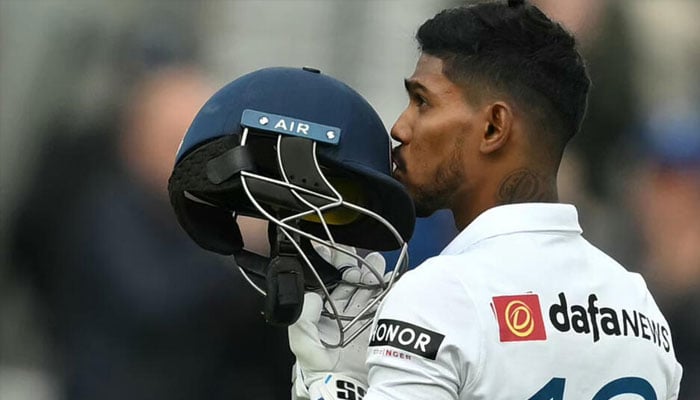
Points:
(519, 318)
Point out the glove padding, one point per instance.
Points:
(321, 371)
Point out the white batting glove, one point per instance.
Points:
(327, 373)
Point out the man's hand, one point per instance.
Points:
(323, 372)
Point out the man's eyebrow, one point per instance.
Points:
(412, 86)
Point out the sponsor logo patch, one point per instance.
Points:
(407, 337)
(519, 318)
(596, 320)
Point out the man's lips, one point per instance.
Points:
(399, 164)
(399, 167)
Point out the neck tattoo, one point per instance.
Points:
(524, 185)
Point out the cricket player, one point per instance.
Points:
(519, 305)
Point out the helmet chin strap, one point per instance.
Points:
(284, 282)
(285, 275)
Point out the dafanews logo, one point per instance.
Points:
(519, 318)
(595, 320)
(407, 337)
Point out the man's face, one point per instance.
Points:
(434, 132)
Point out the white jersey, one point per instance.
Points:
(520, 306)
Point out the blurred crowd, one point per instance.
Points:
(102, 295)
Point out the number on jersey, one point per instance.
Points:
(554, 389)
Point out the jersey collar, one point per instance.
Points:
(511, 218)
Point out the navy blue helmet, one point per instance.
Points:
(303, 151)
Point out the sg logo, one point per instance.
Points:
(349, 391)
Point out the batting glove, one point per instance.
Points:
(323, 372)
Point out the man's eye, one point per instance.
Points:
(419, 100)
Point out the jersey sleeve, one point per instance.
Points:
(424, 342)
(674, 382)
(676, 385)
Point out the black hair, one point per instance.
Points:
(516, 50)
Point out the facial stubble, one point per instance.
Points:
(438, 194)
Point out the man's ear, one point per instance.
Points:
(497, 130)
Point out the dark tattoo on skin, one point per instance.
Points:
(523, 185)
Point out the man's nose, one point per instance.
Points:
(400, 131)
